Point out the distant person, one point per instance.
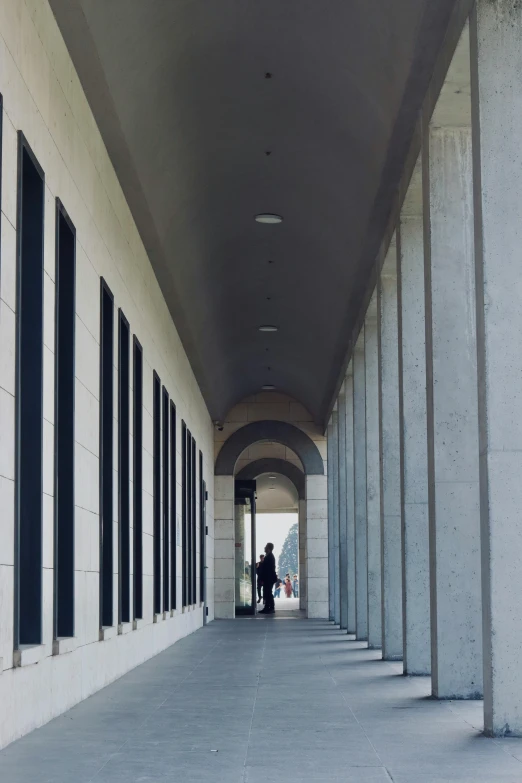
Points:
(267, 572)
(278, 585)
(295, 586)
(259, 580)
(288, 587)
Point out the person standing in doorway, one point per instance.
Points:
(259, 580)
(267, 572)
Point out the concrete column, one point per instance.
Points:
(302, 555)
(336, 563)
(496, 62)
(359, 446)
(317, 546)
(391, 535)
(350, 500)
(330, 486)
(453, 455)
(224, 549)
(414, 448)
(343, 532)
(373, 476)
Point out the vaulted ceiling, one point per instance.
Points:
(216, 110)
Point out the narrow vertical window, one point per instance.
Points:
(157, 491)
(202, 530)
(173, 494)
(189, 518)
(184, 512)
(137, 477)
(166, 486)
(65, 317)
(194, 524)
(123, 469)
(29, 398)
(106, 453)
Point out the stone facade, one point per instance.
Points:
(42, 97)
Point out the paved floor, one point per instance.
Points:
(264, 700)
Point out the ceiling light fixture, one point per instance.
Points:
(268, 217)
(272, 477)
(268, 387)
(268, 328)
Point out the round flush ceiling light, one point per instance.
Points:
(268, 218)
(268, 328)
(268, 387)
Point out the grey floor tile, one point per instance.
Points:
(260, 702)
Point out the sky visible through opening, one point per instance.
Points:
(274, 528)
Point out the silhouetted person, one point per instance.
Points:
(267, 572)
(259, 580)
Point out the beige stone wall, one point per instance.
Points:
(43, 97)
(271, 406)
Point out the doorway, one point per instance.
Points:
(245, 547)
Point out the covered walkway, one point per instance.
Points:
(256, 701)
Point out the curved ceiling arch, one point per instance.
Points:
(274, 465)
(278, 431)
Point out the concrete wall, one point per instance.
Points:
(43, 98)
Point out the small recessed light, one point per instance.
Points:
(268, 387)
(268, 328)
(272, 477)
(269, 218)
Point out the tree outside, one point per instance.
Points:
(289, 557)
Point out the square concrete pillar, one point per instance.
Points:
(334, 467)
(330, 509)
(224, 549)
(350, 500)
(303, 543)
(496, 90)
(391, 495)
(453, 455)
(373, 476)
(317, 546)
(414, 447)
(361, 532)
(343, 531)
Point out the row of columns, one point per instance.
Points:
(425, 443)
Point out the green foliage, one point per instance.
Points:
(289, 557)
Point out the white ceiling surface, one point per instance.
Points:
(276, 495)
(178, 89)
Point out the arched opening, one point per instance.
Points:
(278, 431)
(280, 494)
(301, 466)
